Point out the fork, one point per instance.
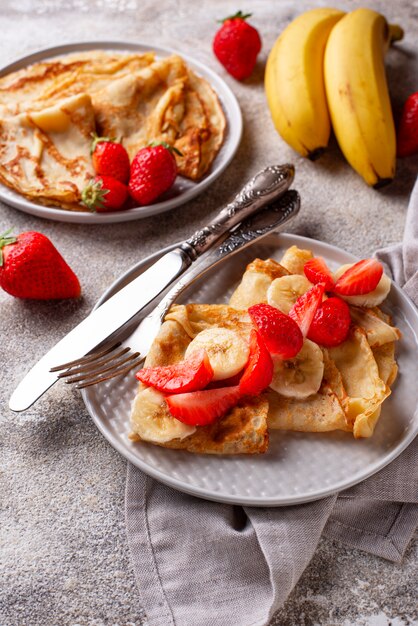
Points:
(115, 360)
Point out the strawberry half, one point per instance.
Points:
(189, 375)
(280, 333)
(317, 271)
(331, 323)
(305, 307)
(200, 408)
(362, 277)
(259, 370)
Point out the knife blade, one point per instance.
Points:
(262, 189)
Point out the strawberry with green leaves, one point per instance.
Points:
(236, 45)
(104, 194)
(31, 267)
(153, 172)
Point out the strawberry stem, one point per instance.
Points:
(166, 145)
(97, 139)
(239, 15)
(93, 195)
(5, 240)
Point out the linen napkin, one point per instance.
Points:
(191, 556)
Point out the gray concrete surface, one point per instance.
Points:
(63, 553)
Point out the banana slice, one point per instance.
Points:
(283, 292)
(295, 258)
(373, 298)
(302, 376)
(228, 352)
(151, 420)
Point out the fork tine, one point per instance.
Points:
(86, 359)
(93, 365)
(80, 376)
(117, 372)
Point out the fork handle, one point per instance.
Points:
(264, 188)
(252, 229)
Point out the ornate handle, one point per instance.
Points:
(263, 189)
(253, 228)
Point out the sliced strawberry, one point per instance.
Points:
(259, 370)
(226, 382)
(331, 323)
(200, 408)
(305, 307)
(190, 375)
(317, 271)
(362, 277)
(281, 334)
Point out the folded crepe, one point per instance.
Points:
(243, 430)
(45, 154)
(357, 373)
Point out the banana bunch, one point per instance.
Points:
(327, 67)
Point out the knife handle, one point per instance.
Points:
(265, 187)
(253, 228)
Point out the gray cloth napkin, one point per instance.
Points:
(190, 555)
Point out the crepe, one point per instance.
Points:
(243, 430)
(133, 98)
(45, 155)
(357, 374)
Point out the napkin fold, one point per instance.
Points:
(241, 563)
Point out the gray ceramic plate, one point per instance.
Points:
(299, 467)
(183, 190)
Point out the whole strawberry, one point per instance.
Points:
(408, 127)
(31, 267)
(110, 159)
(153, 171)
(104, 193)
(236, 45)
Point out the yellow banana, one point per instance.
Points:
(357, 93)
(294, 82)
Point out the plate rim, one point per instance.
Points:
(229, 103)
(270, 502)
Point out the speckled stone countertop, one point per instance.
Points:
(64, 558)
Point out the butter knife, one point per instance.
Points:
(262, 189)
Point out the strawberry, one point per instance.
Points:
(199, 408)
(153, 171)
(31, 267)
(331, 323)
(236, 45)
(362, 277)
(305, 307)
(281, 334)
(317, 271)
(110, 159)
(104, 193)
(408, 127)
(259, 370)
(189, 375)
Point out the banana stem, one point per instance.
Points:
(396, 33)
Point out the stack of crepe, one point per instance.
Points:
(49, 111)
(357, 374)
